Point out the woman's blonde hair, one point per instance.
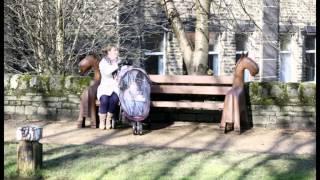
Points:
(108, 48)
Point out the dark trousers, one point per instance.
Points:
(108, 103)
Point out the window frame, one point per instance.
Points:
(282, 52)
(161, 63)
(246, 76)
(219, 62)
(314, 52)
(215, 52)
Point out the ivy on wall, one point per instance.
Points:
(20, 84)
(281, 94)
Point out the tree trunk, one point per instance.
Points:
(177, 26)
(40, 41)
(60, 34)
(200, 55)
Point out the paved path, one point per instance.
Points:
(189, 136)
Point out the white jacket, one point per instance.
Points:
(108, 84)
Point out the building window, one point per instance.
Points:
(155, 53)
(285, 58)
(310, 53)
(213, 54)
(242, 47)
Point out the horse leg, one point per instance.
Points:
(92, 107)
(237, 107)
(227, 112)
(81, 119)
(244, 113)
(94, 115)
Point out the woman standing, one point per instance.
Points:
(108, 91)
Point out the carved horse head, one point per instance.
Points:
(243, 63)
(88, 62)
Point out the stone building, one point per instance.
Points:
(278, 34)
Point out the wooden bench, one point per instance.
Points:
(188, 85)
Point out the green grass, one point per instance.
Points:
(107, 162)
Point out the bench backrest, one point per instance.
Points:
(186, 84)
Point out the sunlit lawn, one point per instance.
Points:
(108, 162)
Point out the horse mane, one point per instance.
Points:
(94, 54)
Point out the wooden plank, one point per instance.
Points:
(182, 104)
(201, 90)
(189, 105)
(188, 79)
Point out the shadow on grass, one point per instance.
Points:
(174, 162)
(296, 169)
(264, 162)
(71, 153)
(131, 158)
(295, 165)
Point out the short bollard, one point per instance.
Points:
(29, 150)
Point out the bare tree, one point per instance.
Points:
(25, 38)
(47, 37)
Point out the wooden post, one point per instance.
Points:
(29, 157)
(29, 150)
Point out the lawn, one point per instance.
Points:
(108, 162)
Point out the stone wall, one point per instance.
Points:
(273, 104)
(31, 97)
(286, 105)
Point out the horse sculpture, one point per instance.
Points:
(235, 102)
(88, 97)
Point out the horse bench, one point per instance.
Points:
(166, 89)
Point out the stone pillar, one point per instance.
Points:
(270, 44)
(29, 150)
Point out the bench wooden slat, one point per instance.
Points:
(201, 90)
(182, 104)
(182, 79)
(195, 105)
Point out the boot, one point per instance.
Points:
(109, 120)
(102, 121)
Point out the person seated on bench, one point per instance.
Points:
(108, 91)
